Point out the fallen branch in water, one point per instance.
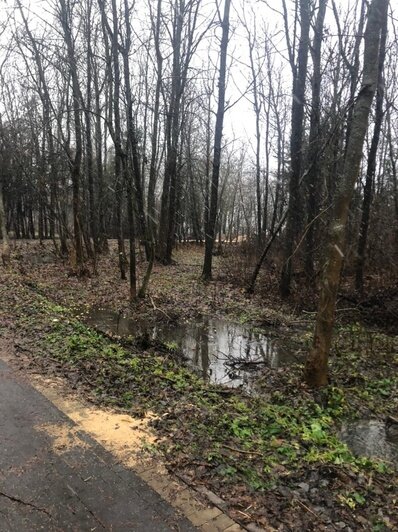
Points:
(159, 309)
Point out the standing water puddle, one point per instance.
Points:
(222, 352)
(230, 354)
(372, 438)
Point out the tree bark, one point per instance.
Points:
(212, 219)
(5, 252)
(296, 144)
(371, 167)
(316, 368)
(313, 178)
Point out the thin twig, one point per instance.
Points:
(242, 451)
(159, 309)
(306, 231)
(309, 510)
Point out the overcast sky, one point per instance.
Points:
(239, 120)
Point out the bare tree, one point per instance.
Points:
(5, 252)
(371, 166)
(295, 215)
(65, 19)
(316, 369)
(313, 180)
(214, 187)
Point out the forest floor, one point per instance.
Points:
(275, 455)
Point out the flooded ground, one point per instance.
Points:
(232, 354)
(221, 352)
(372, 438)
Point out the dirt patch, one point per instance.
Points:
(126, 437)
(64, 438)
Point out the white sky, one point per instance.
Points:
(239, 121)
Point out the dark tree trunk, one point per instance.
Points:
(93, 218)
(132, 136)
(5, 252)
(76, 159)
(151, 222)
(167, 213)
(371, 168)
(313, 179)
(102, 241)
(116, 129)
(295, 213)
(212, 218)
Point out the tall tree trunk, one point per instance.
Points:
(132, 135)
(257, 113)
(102, 241)
(267, 165)
(371, 168)
(394, 171)
(5, 251)
(131, 223)
(93, 218)
(313, 178)
(151, 222)
(116, 127)
(212, 219)
(316, 368)
(76, 159)
(206, 213)
(294, 218)
(168, 205)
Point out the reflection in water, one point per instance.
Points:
(372, 438)
(222, 352)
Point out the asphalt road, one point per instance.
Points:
(55, 478)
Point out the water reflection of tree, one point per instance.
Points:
(248, 346)
(201, 357)
(204, 349)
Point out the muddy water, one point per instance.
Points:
(219, 351)
(372, 438)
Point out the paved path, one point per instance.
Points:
(55, 478)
